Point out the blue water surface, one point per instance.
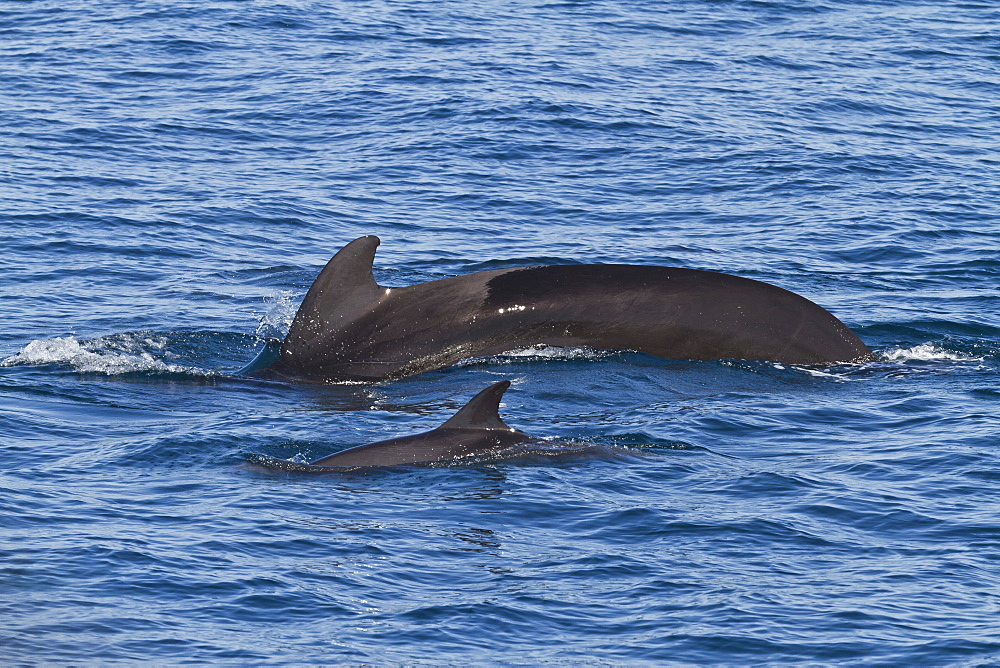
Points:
(174, 175)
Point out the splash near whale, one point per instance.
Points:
(349, 328)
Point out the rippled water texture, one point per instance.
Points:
(173, 176)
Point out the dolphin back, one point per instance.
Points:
(482, 411)
(475, 430)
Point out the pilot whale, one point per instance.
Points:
(349, 328)
(475, 430)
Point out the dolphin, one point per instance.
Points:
(475, 430)
(350, 328)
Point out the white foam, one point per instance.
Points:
(540, 351)
(825, 374)
(278, 319)
(112, 355)
(556, 352)
(927, 352)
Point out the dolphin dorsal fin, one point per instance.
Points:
(343, 289)
(482, 411)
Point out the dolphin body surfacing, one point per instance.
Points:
(474, 431)
(349, 328)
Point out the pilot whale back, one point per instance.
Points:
(349, 328)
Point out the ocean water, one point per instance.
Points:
(174, 175)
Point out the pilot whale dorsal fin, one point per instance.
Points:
(343, 288)
(482, 411)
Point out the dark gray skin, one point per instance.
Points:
(475, 430)
(349, 328)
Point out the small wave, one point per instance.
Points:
(111, 355)
(542, 351)
(555, 352)
(275, 463)
(823, 374)
(927, 352)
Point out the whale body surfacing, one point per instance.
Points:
(349, 328)
(474, 431)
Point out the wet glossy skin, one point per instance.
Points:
(474, 431)
(350, 328)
